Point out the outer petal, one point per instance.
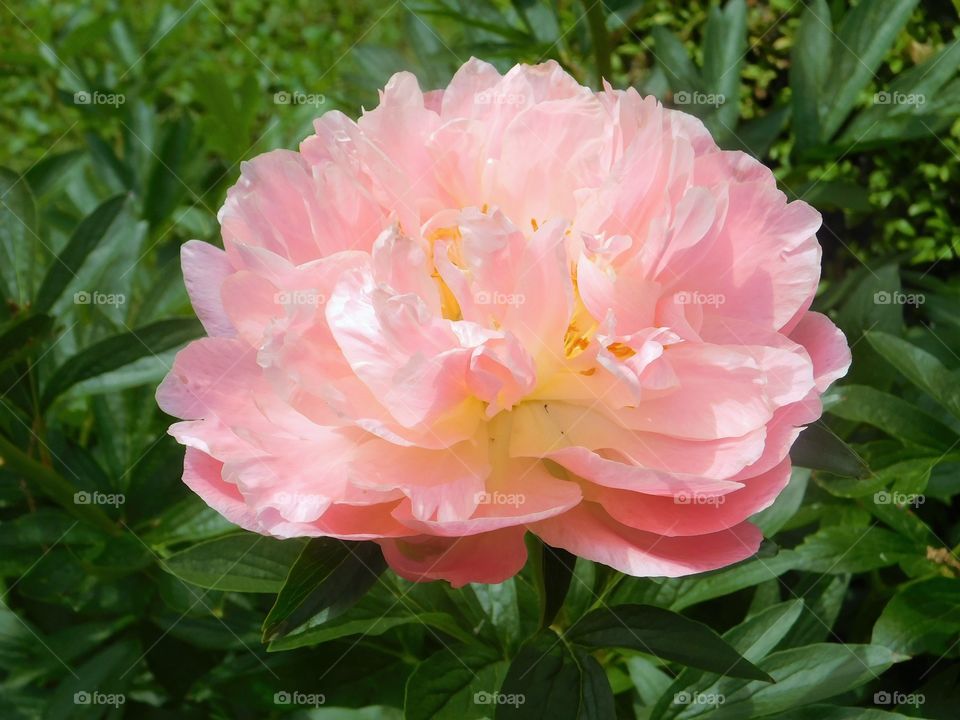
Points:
(826, 345)
(490, 557)
(205, 268)
(589, 532)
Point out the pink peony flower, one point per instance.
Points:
(511, 305)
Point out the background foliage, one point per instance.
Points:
(116, 580)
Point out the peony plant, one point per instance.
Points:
(511, 305)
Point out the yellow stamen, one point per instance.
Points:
(620, 350)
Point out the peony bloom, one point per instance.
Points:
(511, 305)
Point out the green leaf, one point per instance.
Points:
(818, 448)
(838, 712)
(53, 485)
(842, 549)
(823, 599)
(370, 622)
(49, 172)
(108, 673)
(724, 45)
(114, 172)
(754, 638)
(864, 37)
(85, 238)
(803, 676)
(893, 415)
(165, 186)
(903, 120)
(119, 350)
(664, 633)
(242, 563)
(501, 607)
(459, 685)
(383, 608)
(755, 136)
(18, 237)
(773, 518)
(923, 617)
(907, 477)
(326, 580)
(921, 368)
(676, 64)
(809, 67)
(21, 337)
(550, 680)
(553, 571)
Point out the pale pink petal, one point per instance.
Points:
(589, 532)
(490, 557)
(205, 268)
